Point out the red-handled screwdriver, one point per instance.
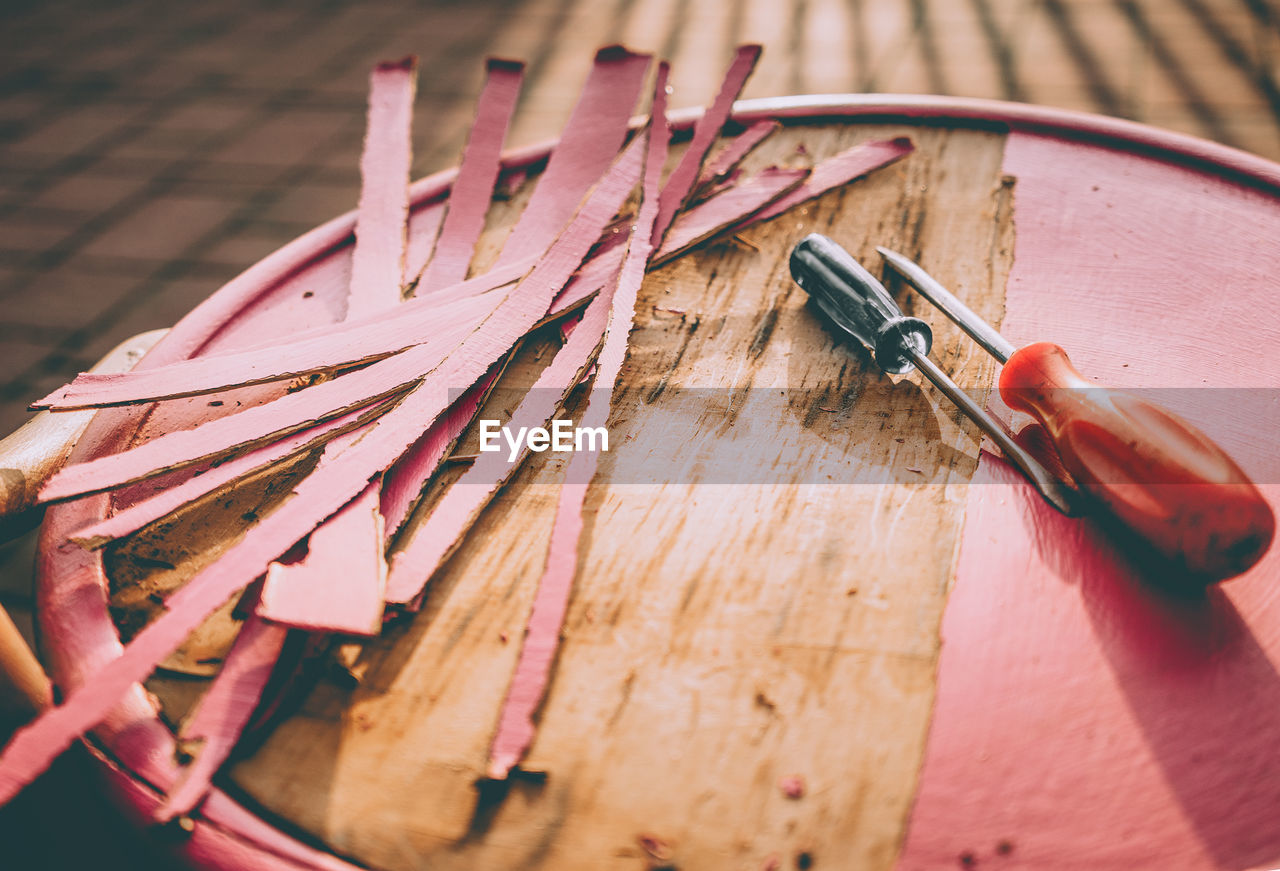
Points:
(1156, 473)
(1159, 476)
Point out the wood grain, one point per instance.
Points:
(722, 635)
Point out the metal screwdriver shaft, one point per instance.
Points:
(860, 306)
(978, 329)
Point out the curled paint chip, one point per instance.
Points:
(528, 686)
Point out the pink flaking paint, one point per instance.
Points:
(251, 427)
(170, 499)
(260, 424)
(841, 170)
(378, 263)
(339, 585)
(327, 584)
(515, 730)
(369, 338)
(469, 202)
(478, 173)
(590, 139)
(717, 188)
(411, 568)
(223, 712)
(727, 210)
(36, 745)
(705, 220)
(681, 181)
(347, 465)
(424, 226)
(597, 126)
(595, 274)
(403, 484)
(443, 530)
(595, 131)
(725, 161)
(792, 786)
(713, 216)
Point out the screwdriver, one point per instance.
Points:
(1161, 478)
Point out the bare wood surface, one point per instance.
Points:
(722, 635)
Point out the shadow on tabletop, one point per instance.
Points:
(1198, 682)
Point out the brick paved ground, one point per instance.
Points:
(151, 150)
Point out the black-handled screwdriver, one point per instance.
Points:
(858, 304)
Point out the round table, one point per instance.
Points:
(794, 565)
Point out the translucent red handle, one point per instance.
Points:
(1157, 474)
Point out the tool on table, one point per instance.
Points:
(1163, 479)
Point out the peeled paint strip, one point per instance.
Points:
(252, 426)
(424, 226)
(249, 428)
(680, 183)
(468, 204)
(338, 586)
(403, 483)
(37, 744)
(223, 712)
(377, 266)
(598, 124)
(346, 467)
(727, 209)
(365, 339)
(431, 544)
(592, 137)
(714, 215)
(840, 170)
(697, 224)
(523, 310)
(515, 730)
(473, 190)
(295, 411)
(170, 499)
(595, 274)
(590, 140)
(714, 190)
(727, 159)
(706, 220)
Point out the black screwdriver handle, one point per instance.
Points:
(858, 304)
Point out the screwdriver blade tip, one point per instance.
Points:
(892, 256)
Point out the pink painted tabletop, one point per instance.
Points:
(1082, 720)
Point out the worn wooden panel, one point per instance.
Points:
(731, 625)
